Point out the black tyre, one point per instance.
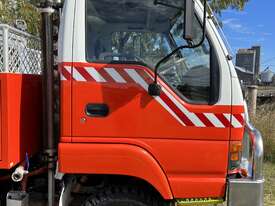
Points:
(124, 196)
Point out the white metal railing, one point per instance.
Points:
(20, 52)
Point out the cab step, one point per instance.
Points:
(199, 201)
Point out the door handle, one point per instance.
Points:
(97, 110)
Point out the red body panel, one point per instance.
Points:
(21, 119)
(189, 142)
(172, 156)
(120, 159)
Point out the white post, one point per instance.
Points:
(252, 99)
(5, 50)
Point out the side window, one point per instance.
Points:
(193, 73)
(141, 47)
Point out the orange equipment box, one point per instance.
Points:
(20, 117)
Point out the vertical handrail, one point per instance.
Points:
(258, 152)
(5, 49)
(257, 147)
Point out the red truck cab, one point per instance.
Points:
(189, 142)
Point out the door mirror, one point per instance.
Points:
(189, 12)
(188, 20)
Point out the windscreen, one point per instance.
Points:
(142, 32)
(130, 30)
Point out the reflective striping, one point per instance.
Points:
(115, 75)
(95, 74)
(85, 74)
(66, 73)
(167, 100)
(177, 111)
(181, 117)
(240, 118)
(191, 116)
(139, 80)
(68, 69)
(77, 76)
(228, 117)
(105, 75)
(214, 120)
(204, 119)
(223, 120)
(126, 76)
(62, 77)
(235, 123)
(169, 110)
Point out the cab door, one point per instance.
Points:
(186, 129)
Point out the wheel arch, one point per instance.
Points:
(114, 159)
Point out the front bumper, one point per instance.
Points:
(249, 191)
(245, 192)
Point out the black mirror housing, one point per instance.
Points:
(154, 90)
(189, 12)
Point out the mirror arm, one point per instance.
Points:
(156, 2)
(166, 58)
(189, 46)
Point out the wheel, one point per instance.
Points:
(124, 196)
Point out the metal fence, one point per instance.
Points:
(20, 52)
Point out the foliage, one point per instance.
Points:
(219, 5)
(264, 121)
(11, 10)
(269, 188)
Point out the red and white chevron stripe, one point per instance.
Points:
(166, 99)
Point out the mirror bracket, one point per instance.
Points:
(154, 89)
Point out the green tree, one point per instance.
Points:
(219, 5)
(11, 10)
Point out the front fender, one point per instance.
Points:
(113, 159)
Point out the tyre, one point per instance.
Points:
(124, 196)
